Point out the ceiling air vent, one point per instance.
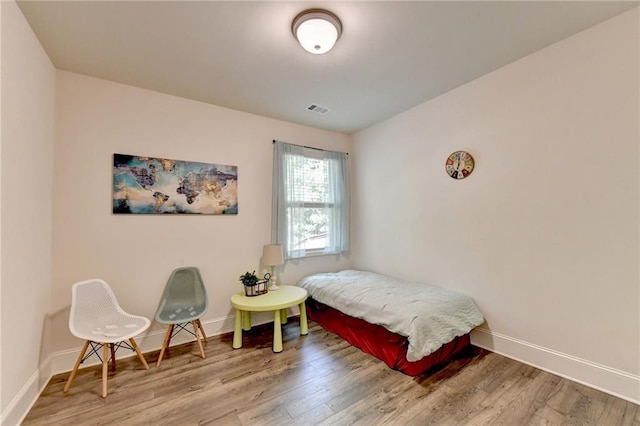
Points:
(318, 108)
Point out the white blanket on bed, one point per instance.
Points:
(429, 316)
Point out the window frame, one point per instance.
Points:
(331, 245)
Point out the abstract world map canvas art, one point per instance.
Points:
(148, 185)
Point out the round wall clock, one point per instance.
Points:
(459, 165)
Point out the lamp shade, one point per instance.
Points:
(317, 30)
(272, 255)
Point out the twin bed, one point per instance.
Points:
(410, 326)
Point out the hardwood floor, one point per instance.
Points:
(320, 379)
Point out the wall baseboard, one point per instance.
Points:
(606, 379)
(20, 405)
(63, 361)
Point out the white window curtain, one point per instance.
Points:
(309, 184)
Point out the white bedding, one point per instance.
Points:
(429, 316)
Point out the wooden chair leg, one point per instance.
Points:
(113, 356)
(202, 329)
(137, 349)
(165, 344)
(195, 330)
(76, 366)
(105, 368)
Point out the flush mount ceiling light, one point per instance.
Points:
(316, 30)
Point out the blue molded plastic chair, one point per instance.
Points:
(184, 301)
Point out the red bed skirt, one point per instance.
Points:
(378, 341)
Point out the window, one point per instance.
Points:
(310, 201)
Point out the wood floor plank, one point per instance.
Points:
(500, 393)
(320, 379)
(624, 412)
(527, 402)
(358, 413)
(311, 417)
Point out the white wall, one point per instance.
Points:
(28, 91)
(544, 233)
(135, 254)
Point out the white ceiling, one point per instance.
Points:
(241, 55)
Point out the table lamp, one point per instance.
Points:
(272, 257)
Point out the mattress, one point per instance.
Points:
(427, 316)
(376, 340)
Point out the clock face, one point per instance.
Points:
(459, 165)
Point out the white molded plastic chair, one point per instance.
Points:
(97, 318)
(184, 301)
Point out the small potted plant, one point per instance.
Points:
(252, 285)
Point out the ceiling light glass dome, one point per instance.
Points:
(317, 30)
